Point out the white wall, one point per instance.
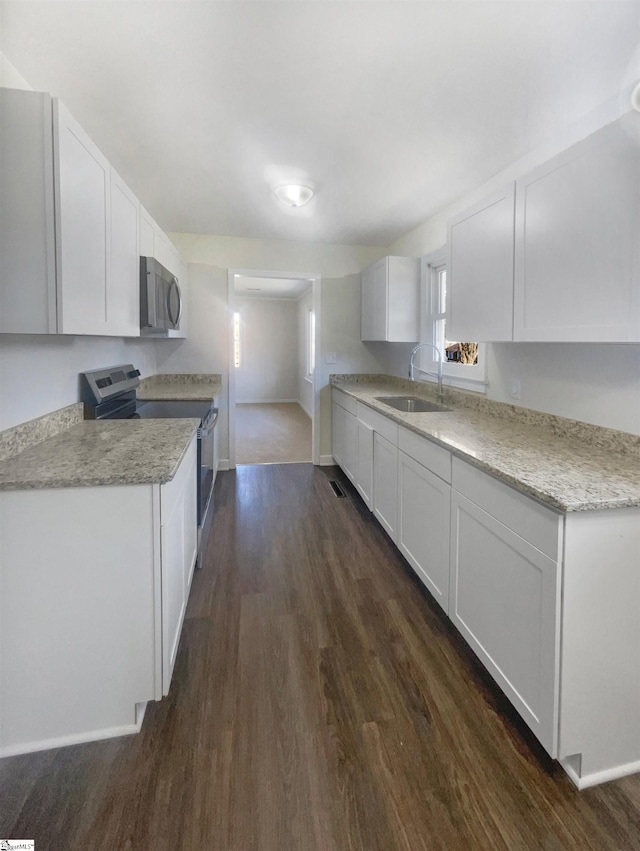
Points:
(39, 374)
(339, 266)
(328, 260)
(10, 77)
(597, 383)
(305, 386)
(206, 350)
(269, 350)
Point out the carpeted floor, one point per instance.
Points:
(272, 433)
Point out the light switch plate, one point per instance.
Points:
(516, 388)
(331, 357)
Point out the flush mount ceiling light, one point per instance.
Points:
(293, 194)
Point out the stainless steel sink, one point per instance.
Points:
(412, 404)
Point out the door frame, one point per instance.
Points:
(316, 287)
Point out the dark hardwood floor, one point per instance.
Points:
(320, 702)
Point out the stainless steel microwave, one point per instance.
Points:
(160, 298)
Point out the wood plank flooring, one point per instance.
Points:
(320, 702)
(272, 433)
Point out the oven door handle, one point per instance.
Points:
(209, 423)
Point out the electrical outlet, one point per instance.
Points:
(516, 388)
(331, 357)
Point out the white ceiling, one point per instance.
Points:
(269, 287)
(390, 109)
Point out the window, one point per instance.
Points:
(236, 340)
(464, 362)
(311, 343)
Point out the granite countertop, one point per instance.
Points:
(564, 471)
(101, 452)
(182, 387)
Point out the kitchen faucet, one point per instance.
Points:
(412, 367)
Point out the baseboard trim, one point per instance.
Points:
(597, 777)
(79, 738)
(327, 461)
(308, 413)
(223, 465)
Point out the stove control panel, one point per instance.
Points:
(100, 385)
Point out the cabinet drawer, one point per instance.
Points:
(378, 422)
(426, 452)
(541, 526)
(346, 402)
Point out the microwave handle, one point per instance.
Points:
(176, 320)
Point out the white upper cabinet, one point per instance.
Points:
(70, 228)
(123, 306)
(27, 237)
(577, 273)
(480, 280)
(82, 205)
(562, 263)
(390, 300)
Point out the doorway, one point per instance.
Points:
(274, 323)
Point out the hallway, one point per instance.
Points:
(272, 433)
(320, 702)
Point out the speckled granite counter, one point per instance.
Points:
(569, 466)
(187, 387)
(108, 452)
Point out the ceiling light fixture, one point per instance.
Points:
(293, 194)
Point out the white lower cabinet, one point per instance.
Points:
(505, 600)
(94, 584)
(178, 549)
(549, 602)
(423, 525)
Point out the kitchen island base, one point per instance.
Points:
(93, 590)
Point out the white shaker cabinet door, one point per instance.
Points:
(505, 600)
(374, 302)
(337, 434)
(480, 270)
(178, 548)
(82, 182)
(364, 481)
(424, 506)
(345, 441)
(123, 306)
(27, 235)
(390, 300)
(385, 484)
(147, 234)
(578, 241)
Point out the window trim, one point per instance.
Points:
(464, 377)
